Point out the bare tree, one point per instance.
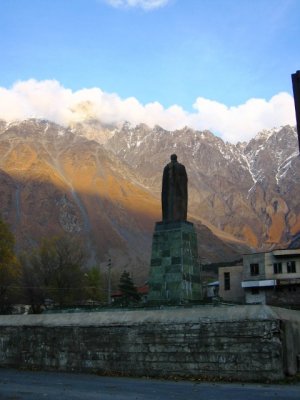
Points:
(9, 270)
(55, 271)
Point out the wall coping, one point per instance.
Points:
(164, 316)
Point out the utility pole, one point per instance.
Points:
(109, 282)
(296, 90)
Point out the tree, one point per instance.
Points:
(33, 281)
(94, 285)
(55, 271)
(128, 289)
(9, 270)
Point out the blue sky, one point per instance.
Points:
(224, 51)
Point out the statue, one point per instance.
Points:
(174, 195)
(174, 270)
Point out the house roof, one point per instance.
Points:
(215, 283)
(143, 290)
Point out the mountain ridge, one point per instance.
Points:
(105, 187)
(218, 169)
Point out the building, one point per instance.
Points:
(272, 278)
(211, 290)
(230, 288)
(142, 291)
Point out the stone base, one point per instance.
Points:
(174, 271)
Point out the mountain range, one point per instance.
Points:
(103, 184)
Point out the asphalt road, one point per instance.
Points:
(21, 385)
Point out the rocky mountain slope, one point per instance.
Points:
(103, 184)
(249, 190)
(53, 181)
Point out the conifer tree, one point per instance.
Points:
(128, 289)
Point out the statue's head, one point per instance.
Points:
(173, 157)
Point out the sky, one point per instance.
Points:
(223, 65)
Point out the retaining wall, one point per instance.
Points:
(243, 342)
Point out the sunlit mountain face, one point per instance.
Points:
(103, 184)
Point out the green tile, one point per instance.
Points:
(174, 253)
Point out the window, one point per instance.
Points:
(291, 267)
(254, 269)
(277, 267)
(226, 280)
(255, 290)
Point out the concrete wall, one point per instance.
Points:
(270, 259)
(290, 325)
(236, 292)
(255, 258)
(284, 295)
(266, 261)
(256, 298)
(243, 342)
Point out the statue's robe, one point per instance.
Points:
(174, 193)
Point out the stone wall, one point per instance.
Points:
(244, 342)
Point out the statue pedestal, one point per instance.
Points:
(174, 272)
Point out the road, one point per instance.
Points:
(25, 385)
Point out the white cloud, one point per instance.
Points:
(50, 100)
(144, 4)
(243, 121)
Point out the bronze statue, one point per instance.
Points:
(174, 195)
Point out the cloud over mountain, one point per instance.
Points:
(241, 122)
(144, 4)
(50, 100)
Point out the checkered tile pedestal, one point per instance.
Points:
(174, 271)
